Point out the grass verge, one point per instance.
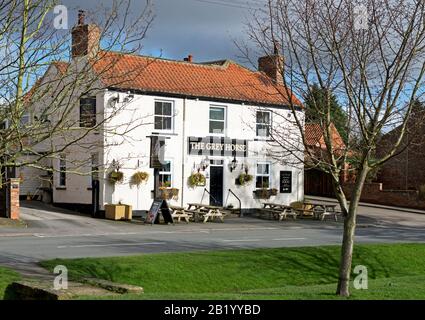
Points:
(6, 277)
(396, 271)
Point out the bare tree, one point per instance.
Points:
(43, 77)
(371, 55)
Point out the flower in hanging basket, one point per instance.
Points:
(138, 178)
(245, 178)
(165, 184)
(197, 179)
(116, 176)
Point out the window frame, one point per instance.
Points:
(171, 102)
(62, 167)
(269, 175)
(263, 123)
(86, 124)
(161, 172)
(215, 120)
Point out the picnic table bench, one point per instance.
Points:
(278, 211)
(207, 212)
(180, 213)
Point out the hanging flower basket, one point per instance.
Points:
(138, 178)
(116, 177)
(244, 179)
(196, 179)
(265, 193)
(169, 193)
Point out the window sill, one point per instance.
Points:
(167, 133)
(60, 188)
(267, 139)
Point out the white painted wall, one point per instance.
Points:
(134, 153)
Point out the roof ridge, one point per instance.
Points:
(209, 64)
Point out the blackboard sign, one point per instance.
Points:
(159, 205)
(285, 181)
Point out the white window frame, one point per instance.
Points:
(262, 123)
(170, 173)
(61, 165)
(224, 120)
(263, 175)
(172, 116)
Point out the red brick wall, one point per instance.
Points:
(14, 199)
(373, 193)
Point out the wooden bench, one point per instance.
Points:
(180, 213)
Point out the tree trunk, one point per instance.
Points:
(348, 236)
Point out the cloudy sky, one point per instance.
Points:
(204, 28)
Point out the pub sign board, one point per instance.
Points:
(157, 152)
(285, 181)
(217, 146)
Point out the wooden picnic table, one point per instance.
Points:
(206, 211)
(272, 205)
(278, 210)
(321, 210)
(180, 213)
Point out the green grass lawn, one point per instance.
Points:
(396, 271)
(6, 277)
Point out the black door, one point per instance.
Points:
(216, 186)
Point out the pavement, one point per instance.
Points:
(57, 233)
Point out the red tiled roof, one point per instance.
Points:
(220, 79)
(314, 136)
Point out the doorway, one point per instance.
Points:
(216, 186)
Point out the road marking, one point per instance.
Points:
(43, 235)
(111, 245)
(256, 240)
(240, 240)
(15, 234)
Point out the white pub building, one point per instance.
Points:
(200, 133)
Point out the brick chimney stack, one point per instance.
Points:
(272, 65)
(85, 37)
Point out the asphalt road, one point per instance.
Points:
(54, 233)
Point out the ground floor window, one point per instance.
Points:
(165, 175)
(262, 179)
(62, 171)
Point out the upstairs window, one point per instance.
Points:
(263, 123)
(217, 120)
(88, 112)
(262, 179)
(163, 115)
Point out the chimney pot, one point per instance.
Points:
(272, 66)
(85, 38)
(190, 58)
